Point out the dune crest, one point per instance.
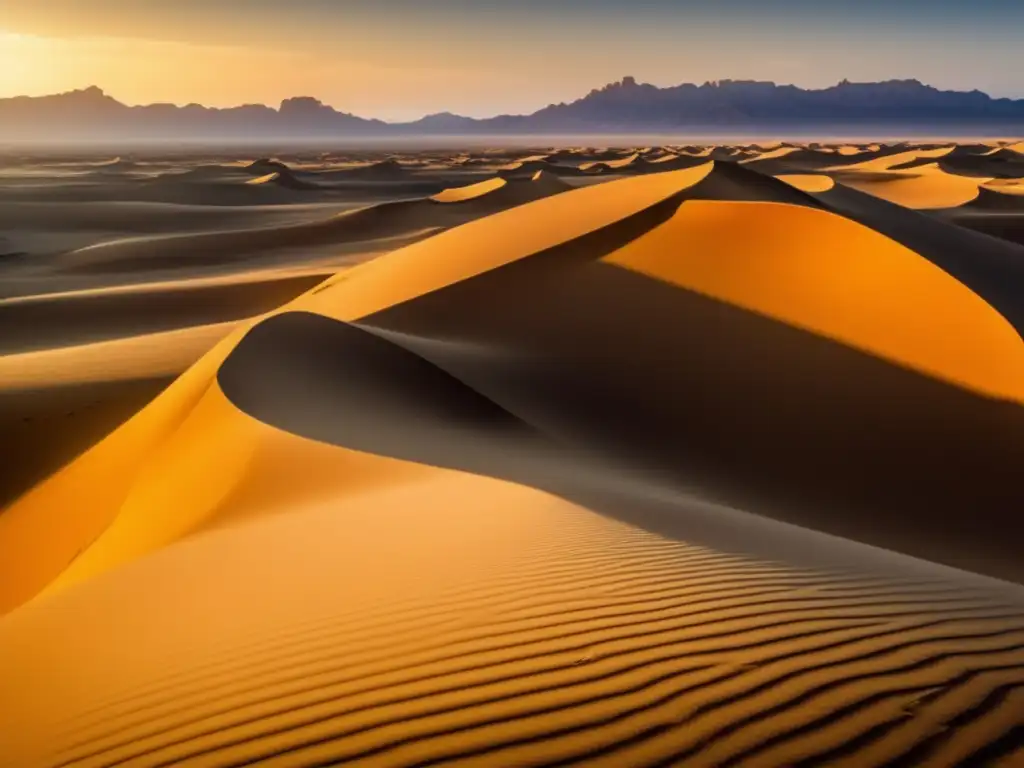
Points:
(766, 257)
(461, 194)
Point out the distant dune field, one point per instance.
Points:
(637, 456)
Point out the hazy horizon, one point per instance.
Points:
(398, 60)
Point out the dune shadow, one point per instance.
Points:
(45, 428)
(59, 320)
(665, 409)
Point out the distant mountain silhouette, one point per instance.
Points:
(90, 114)
(624, 106)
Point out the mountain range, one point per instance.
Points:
(625, 106)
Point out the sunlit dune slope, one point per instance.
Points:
(669, 470)
(32, 557)
(768, 259)
(889, 160)
(501, 192)
(56, 403)
(991, 267)
(808, 182)
(763, 257)
(926, 186)
(461, 194)
(452, 618)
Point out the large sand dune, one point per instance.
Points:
(687, 467)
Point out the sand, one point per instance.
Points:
(922, 187)
(698, 466)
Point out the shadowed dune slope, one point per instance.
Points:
(408, 219)
(33, 557)
(660, 238)
(79, 317)
(498, 193)
(998, 199)
(689, 468)
(889, 160)
(56, 403)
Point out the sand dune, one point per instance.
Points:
(538, 634)
(1008, 166)
(503, 193)
(998, 199)
(526, 168)
(993, 269)
(78, 317)
(280, 178)
(56, 403)
(391, 226)
(390, 169)
(923, 187)
(887, 161)
(694, 467)
(324, 237)
(775, 154)
(808, 182)
(632, 161)
(995, 371)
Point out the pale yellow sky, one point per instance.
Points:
(139, 71)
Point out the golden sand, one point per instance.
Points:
(209, 586)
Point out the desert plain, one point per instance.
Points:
(698, 454)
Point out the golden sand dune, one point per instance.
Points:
(503, 192)
(408, 220)
(461, 194)
(78, 317)
(630, 161)
(773, 154)
(885, 161)
(524, 169)
(989, 361)
(802, 159)
(675, 469)
(55, 403)
(672, 162)
(1000, 165)
(733, 250)
(993, 271)
(925, 186)
(159, 354)
(536, 633)
(999, 198)
(808, 182)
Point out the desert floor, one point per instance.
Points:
(647, 456)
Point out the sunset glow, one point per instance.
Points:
(398, 60)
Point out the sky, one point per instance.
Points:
(401, 59)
